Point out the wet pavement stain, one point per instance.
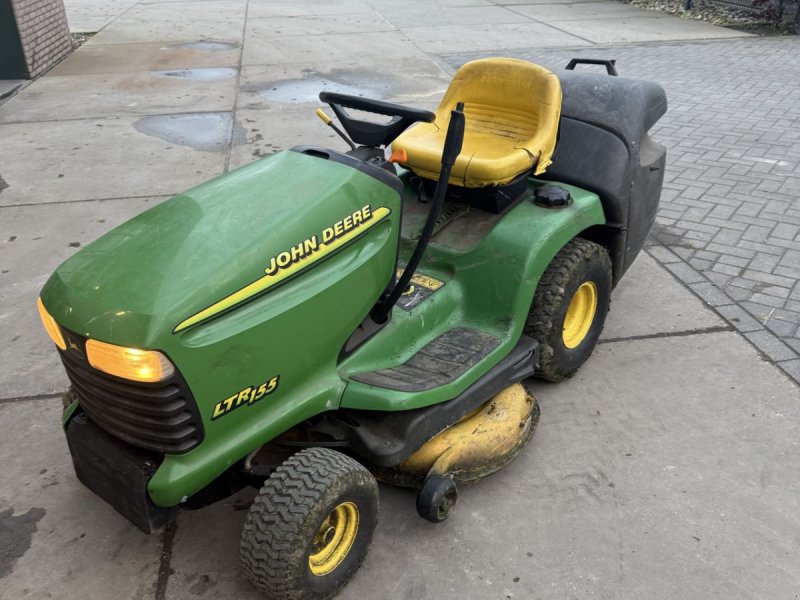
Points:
(306, 90)
(205, 74)
(210, 132)
(356, 82)
(15, 536)
(3, 184)
(209, 45)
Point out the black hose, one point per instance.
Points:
(452, 148)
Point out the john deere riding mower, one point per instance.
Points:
(319, 318)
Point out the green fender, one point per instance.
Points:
(489, 266)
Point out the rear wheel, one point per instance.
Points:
(310, 526)
(569, 308)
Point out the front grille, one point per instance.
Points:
(159, 416)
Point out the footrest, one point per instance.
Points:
(386, 439)
(439, 362)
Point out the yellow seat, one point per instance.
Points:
(512, 108)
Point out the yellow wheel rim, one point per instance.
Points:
(334, 539)
(580, 314)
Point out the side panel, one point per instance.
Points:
(489, 267)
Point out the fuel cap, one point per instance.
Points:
(552, 196)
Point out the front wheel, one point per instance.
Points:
(569, 308)
(310, 526)
(437, 498)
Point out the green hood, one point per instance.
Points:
(167, 265)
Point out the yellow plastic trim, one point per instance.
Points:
(268, 281)
(50, 326)
(147, 366)
(334, 539)
(580, 314)
(512, 110)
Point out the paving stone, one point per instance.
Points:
(149, 56)
(793, 343)
(768, 278)
(781, 328)
(770, 345)
(720, 267)
(700, 264)
(710, 293)
(685, 273)
(704, 255)
(719, 279)
(124, 94)
(764, 262)
(785, 231)
(773, 301)
(793, 271)
(727, 236)
(733, 261)
(792, 367)
(737, 293)
(90, 159)
(739, 318)
(662, 254)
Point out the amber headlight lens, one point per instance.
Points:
(148, 366)
(50, 326)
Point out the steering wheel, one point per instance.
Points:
(367, 133)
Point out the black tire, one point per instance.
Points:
(288, 514)
(437, 498)
(579, 262)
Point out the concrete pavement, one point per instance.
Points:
(660, 470)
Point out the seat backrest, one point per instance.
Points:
(509, 98)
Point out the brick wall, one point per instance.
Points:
(43, 31)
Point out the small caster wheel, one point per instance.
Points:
(437, 498)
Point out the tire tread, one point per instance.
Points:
(270, 542)
(541, 321)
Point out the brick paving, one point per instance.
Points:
(729, 221)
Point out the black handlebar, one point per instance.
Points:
(368, 133)
(609, 64)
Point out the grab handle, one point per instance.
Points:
(609, 64)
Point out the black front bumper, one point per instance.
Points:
(117, 472)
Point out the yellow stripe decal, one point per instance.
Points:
(296, 259)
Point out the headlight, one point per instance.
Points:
(50, 326)
(148, 366)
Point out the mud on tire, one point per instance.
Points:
(283, 527)
(579, 262)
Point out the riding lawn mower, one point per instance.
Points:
(318, 320)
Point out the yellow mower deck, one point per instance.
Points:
(478, 445)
